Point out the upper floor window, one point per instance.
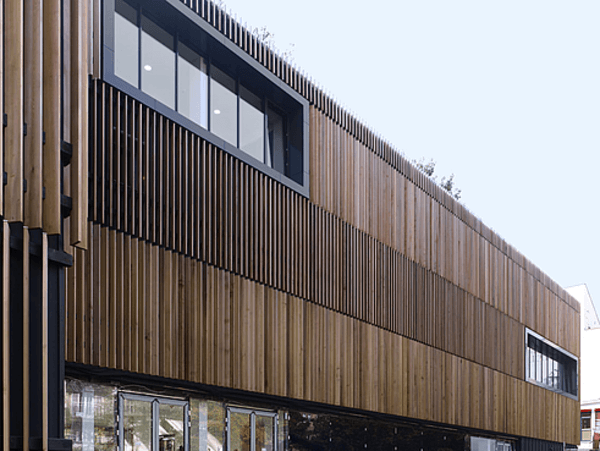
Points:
(160, 54)
(550, 366)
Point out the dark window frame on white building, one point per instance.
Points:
(548, 365)
(269, 127)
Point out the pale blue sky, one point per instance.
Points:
(504, 94)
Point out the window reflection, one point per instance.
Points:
(126, 43)
(169, 68)
(170, 429)
(158, 63)
(223, 106)
(90, 416)
(547, 365)
(265, 433)
(239, 437)
(276, 140)
(192, 86)
(137, 425)
(252, 125)
(216, 426)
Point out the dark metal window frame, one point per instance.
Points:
(252, 413)
(177, 16)
(557, 351)
(154, 401)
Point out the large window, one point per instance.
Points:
(550, 366)
(152, 423)
(201, 83)
(586, 425)
(99, 417)
(489, 444)
(157, 63)
(251, 430)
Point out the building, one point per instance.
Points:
(590, 388)
(201, 250)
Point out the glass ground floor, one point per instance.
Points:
(106, 416)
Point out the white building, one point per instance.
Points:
(589, 370)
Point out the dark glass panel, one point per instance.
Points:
(586, 420)
(275, 140)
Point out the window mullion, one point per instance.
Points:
(139, 56)
(208, 83)
(155, 425)
(253, 431)
(176, 49)
(239, 116)
(120, 414)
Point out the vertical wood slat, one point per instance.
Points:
(33, 113)
(5, 335)
(2, 158)
(322, 362)
(79, 122)
(13, 107)
(422, 327)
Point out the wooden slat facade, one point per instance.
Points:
(35, 198)
(372, 263)
(377, 292)
(205, 324)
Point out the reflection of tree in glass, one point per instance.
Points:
(216, 425)
(239, 431)
(73, 424)
(264, 433)
(137, 425)
(104, 418)
(104, 401)
(171, 421)
(345, 432)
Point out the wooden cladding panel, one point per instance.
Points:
(79, 70)
(33, 113)
(13, 108)
(51, 115)
(31, 141)
(356, 185)
(229, 215)
(355, 134)
(190, 320)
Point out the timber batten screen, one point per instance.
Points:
(201, 264)
(207, 221)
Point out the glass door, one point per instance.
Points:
(251, 430)
(171, 426)
(149, 423)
